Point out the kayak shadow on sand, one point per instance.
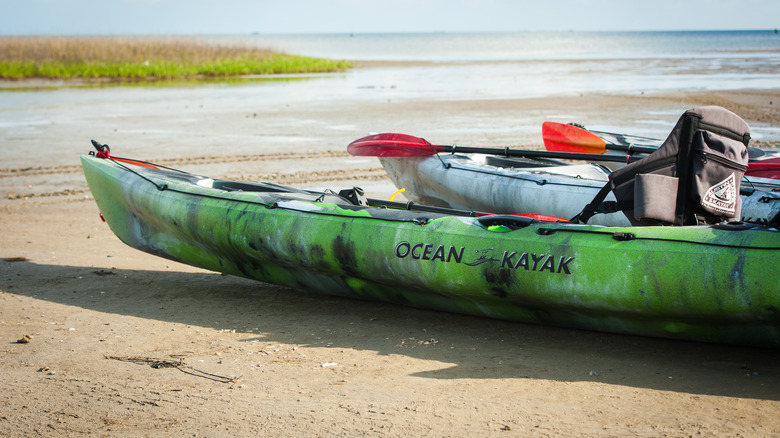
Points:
(477, 348)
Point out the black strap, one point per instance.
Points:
(684, 163)
(775, 220)
(595, 205)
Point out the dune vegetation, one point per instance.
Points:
(145, 59)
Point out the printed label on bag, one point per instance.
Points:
(722, 197)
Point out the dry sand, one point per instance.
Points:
(122, 343)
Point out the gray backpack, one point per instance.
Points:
(693, 178)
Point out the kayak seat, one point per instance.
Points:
(692, 178)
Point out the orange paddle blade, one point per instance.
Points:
(561, 137)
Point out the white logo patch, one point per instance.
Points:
(722, 197)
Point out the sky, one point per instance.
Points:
(174, 17)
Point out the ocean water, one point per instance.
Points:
(535, 64)
(426, 67)
(522, 46)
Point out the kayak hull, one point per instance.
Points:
(696, 283)
(469, 182)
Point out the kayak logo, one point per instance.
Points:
(722, 197)
(485, 255)
(509, 259)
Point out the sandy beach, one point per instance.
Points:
(99, 339)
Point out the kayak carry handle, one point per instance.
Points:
(100, 147)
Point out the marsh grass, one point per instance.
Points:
(138, 59)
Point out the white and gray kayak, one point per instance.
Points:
(504, 186)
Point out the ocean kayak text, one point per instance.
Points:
(509, 259)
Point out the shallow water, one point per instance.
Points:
(528, 64)
(519, 46)
(318, 112)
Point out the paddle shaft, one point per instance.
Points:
(484, 218)
(403, 145)
(560, 137)
(631, 148)
(534, 154)
(627, 136)
(425, 208)
(653, 144)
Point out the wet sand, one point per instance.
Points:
(122, 343)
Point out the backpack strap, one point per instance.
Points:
(594, 206)
(598, 205)
(775, 220)
(684, 162)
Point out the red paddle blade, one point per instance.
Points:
(561, 137)
(769, 168)
(392, 145)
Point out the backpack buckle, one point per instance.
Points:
(608, 207)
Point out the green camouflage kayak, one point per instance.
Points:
(706, 283)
